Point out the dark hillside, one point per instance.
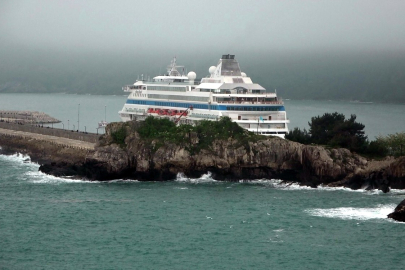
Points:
(377, 77)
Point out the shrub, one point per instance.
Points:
(394, 144)
(164, 130)
(298, 135)
(119, 135)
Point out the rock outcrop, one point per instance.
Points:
(230, 160)
(399, 212)
(226, 159)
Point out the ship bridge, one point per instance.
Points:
(227, 66)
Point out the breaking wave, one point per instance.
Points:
(19, 159)
(205, 178)
(43, 178)
(347, 213)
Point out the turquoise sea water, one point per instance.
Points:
(54, 223)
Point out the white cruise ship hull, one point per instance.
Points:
(182, 100)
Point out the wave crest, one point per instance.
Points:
(347, 213)
(205, 178)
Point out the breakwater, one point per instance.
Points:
(27, 117)
(62, 133)
(45, 149)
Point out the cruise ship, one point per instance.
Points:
(225, 92)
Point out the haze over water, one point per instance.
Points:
(341, 50)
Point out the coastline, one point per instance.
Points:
(225, 160)
(270, 158)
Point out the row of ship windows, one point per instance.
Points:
(205, 106)
(167, 88)
(178, 97)
(273, 132)
(262, 108)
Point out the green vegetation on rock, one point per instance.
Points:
(333, 130)
(119, 135)
(198, 137)
(392, 144)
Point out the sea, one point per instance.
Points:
(50, 222)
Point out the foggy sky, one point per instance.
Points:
(207, 26)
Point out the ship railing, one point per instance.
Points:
(250, 102)
(262, 121)
(174, 83)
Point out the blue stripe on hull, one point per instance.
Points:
(206, 106)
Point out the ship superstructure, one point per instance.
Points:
(225, 92)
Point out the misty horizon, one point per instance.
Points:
(95, 26)
(311, 48)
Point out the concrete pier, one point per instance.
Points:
(56, 132)
(27, 117)
(52, 140)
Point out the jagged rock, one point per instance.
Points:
(399, 212)
(226, 159)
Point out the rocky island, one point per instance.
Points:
(126, 152)
(157, 150)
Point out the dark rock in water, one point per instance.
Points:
(399, 212)
(58, 169)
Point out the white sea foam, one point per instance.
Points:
(205, 178)
(38, 177)
(17, 158)
(284, 185)
(277, 183)
(20, 160)
(119, 181)
(378, 212)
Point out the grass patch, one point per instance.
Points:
(198, 137)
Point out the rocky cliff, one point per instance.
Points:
(269, 157)
(230, 159)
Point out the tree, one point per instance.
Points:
(322, 127)
(349, 134)
(334, 130)
(298, 135)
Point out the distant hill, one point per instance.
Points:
(377, 77)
